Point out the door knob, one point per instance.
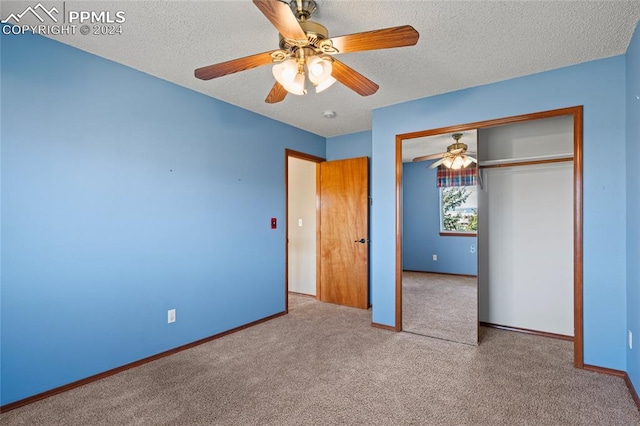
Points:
(361, 241)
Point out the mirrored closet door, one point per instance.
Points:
(439, 245)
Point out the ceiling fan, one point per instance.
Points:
(306, 51)
(455, 158)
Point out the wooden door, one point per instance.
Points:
(344, 237)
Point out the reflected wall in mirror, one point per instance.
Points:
(439, 244)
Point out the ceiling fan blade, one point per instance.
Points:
(437, 163)
(233, 66)
(429, 157)
(386, 38)
(277, 94)
(281, 16)
(353, 79)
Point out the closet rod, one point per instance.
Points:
(527, 162)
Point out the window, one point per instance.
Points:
(458, 210)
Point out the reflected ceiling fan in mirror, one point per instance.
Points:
(305, 57)
(455, 158)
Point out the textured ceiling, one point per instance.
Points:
(462, 44)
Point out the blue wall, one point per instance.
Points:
(124, 196)
(600, 87)
(352, 145)
(421, 227)
(633, 206)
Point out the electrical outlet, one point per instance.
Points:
(472, 249)
(171, 316)
(435, 257)
(630, 340)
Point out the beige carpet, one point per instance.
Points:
(325, 365)
(439, 305)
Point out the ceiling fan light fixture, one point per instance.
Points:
(289, 75)
(457, 162)
(325, 84)
(319, 68)
(285, 71)
(447, 162)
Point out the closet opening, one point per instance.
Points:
(512, 164)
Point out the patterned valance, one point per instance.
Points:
(467, 176)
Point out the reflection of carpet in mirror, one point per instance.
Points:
(442, 306)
